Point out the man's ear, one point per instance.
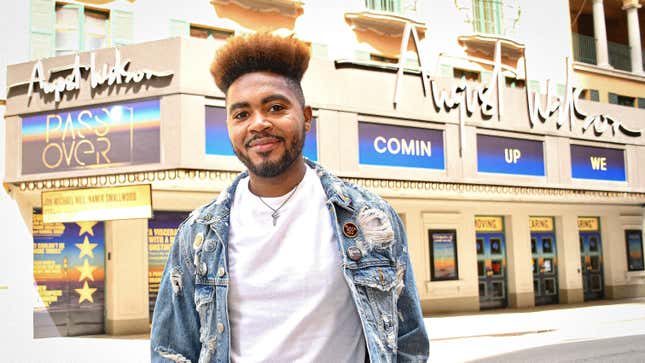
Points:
(308, 114)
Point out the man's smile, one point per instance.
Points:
(263, 143)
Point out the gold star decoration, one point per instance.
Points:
(85, 293)
(86, 248)
(86, 271)
(86, 227)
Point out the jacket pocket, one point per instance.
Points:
(382, 278)
(377, 301)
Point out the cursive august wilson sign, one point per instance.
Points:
(120, 73)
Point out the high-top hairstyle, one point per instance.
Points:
(261, 52)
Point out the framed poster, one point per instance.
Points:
(443, 254)
(162, 229)
(634, 241)
(69, 275)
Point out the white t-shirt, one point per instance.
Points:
(288, 299)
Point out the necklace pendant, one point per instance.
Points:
(275, 216)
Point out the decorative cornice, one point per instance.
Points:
(459, 191)
(126, 179)
(384, 187)
(580, 66)
(291, 8)
(100, 2)
(631, 4)
(485, 43)
(382, 23)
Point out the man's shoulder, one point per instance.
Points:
(361, 195)
(349, 192)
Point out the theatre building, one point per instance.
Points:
(514, 192)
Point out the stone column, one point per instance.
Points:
(569, 270)
(633, 30)
(518, 248)
(600, 34)
(126, 286)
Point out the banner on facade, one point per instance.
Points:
(412, 147)
(599, 163)
(92, 137)
(162, 229)
(125, 202)
(588, 224)
(507, 155)
(218, 143)
(489, 224)
(541, 224)
(69, 276)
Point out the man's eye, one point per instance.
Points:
(275, 108)
(241, 115)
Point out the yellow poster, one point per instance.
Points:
(541, 224)
(489, 224)
(588, 224)
(97, 204)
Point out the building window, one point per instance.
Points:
(80, 29)
(197, 31)
(514, 82)
(384, 59)
(443, 254)
(390, 6)
(590, 94)
(617, 99)
(487, 16)
(594, 95)
(95, 30)
(216, 35)
(465, 75)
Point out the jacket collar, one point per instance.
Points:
(335, 189)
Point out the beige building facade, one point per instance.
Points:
(511, 197)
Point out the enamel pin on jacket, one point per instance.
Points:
(190, 322)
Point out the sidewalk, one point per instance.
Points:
(459, 338)
(454, 338)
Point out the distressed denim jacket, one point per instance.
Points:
(190, 322)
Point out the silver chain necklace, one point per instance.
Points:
(276, 211)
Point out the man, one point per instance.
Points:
(290, 263)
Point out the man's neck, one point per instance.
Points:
(280, 184)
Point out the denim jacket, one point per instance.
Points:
(190, 322)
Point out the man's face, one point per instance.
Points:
(266, 123)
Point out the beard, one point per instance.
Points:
(269, 169)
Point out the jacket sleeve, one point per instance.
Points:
(175, 322)
(413, 344)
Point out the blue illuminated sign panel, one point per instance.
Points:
(599, 163)
(112, 135)
(507, 155)
(218, 143)
(400, 146)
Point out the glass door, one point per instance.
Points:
(491, 270)
(545, 268)
(591, 265)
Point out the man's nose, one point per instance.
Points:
(259, 122)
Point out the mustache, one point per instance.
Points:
(256, 137)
